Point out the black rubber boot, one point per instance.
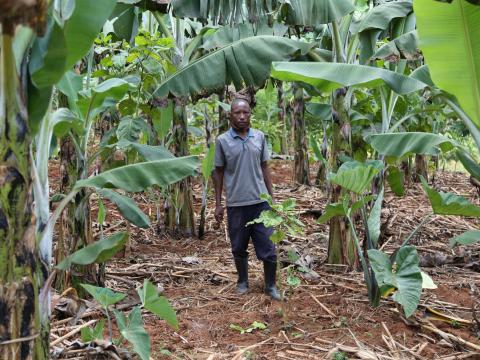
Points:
(242, 269)
(270, 269)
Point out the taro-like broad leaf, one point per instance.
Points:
(128, 208)
(103, 296)
(354, 176)
(98, 252)
(427, 282)
(158, 305)
(467, 238)
(406, 279)
(338, 209)
(132, 329)
(449, 204)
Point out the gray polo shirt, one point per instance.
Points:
(242, 159)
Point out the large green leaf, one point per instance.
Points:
(104, 296)
(226, 65)
(162, 119)
(98, 252)
(399, 144)
(227, 11)
(48, 57)
(375, 21)
(130, 128)
(338, 209)
(354, 176)
(314, 12)
(395, 179)
(128, 208)
(208, 162)
(83, 27)
(380, 16)
(405, 46)
(132, 329)
(125, 23)
(374, 220)
(226, 35)
(93, 103)
(70, 84)
(138, 177)
(327, 77)
(468, 163)
(422, 74)
(158, 305)
(449, 36)
(152, 153)
(449, 204)
(467, 238)
(321, 111)
(406, 278)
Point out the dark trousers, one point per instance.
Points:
(240, 234)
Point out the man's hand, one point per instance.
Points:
(219, 209)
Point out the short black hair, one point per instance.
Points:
(238, 100)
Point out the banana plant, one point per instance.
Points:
(50, 44)
(398, 274)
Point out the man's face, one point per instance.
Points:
(240, 115)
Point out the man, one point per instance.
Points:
(241, 157)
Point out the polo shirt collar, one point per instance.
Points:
(234, 134)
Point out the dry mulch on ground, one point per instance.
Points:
(327, 315)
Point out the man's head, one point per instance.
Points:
(240, 114)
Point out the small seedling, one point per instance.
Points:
(340, 356)
(256, 325)
(284, 220)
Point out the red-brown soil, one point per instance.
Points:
(328, 312)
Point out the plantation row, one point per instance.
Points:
(129, 96)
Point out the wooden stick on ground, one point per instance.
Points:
(73, 332)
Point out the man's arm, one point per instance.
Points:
(267, 177)
(218, 181)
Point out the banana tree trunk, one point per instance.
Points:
(282, 118)
(75, 230)
(301, 175)
(24, 329)
(421, 167)
(341, 246)
(223, 124)
(180, 217)
(208, 140)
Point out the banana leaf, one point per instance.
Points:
(227, 65)
(400, 144)
(327, 77)
(140, 176)
(444, 203)
(449, 34)
(314, 12)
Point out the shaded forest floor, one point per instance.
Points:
(328, 314)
